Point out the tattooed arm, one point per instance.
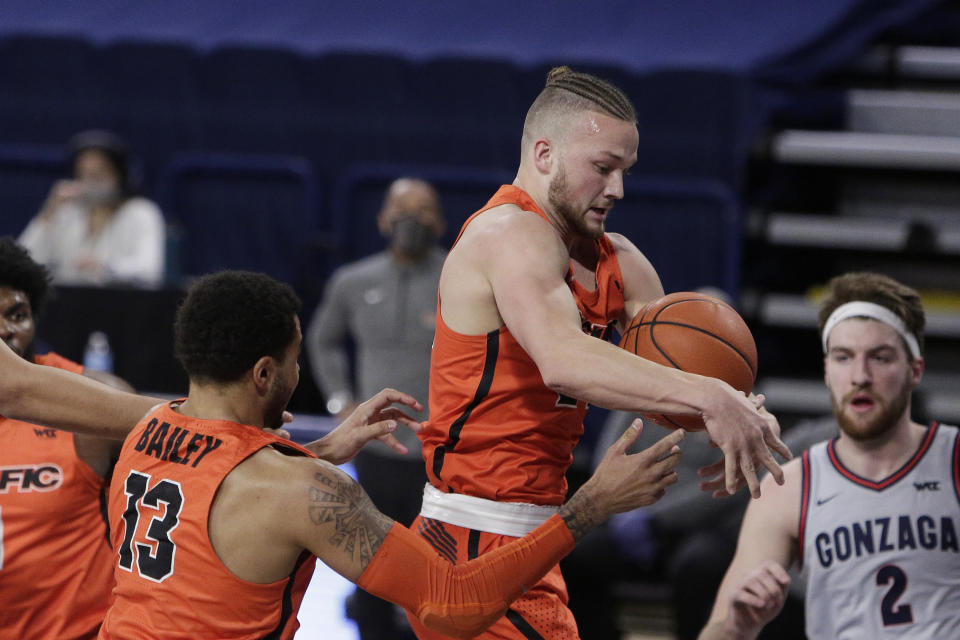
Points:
(622, 481)
(271, 507)
(325, 511)
(345, 530)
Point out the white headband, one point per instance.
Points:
(861, 309)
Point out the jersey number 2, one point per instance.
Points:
(152, 565)
(891, 612)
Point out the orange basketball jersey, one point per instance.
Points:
(170, 582)
(495, 430)
(55, 560)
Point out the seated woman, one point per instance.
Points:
(93, 229)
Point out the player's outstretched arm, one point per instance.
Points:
(64, 400)
(746, 448)
(337, 521)
(374, 419)
(755, 600)
(101, 453)
(622, 481)
(754, 588)
(526, 271)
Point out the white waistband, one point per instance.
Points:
(515, 519)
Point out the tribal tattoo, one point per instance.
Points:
(358, 528)
(580, 514)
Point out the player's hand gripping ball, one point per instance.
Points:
(697, 333)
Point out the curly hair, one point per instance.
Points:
(231, 319)
(878, 289)
(19, 271)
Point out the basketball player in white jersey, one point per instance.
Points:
(872, 516)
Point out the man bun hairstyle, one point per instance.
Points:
(879, 289)
(231, 319)
(22, 273)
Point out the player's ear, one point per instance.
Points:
(543, 155)
(263, 372)
(917, 368)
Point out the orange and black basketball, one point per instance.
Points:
(697, 333)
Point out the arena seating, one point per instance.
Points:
(258, 212)
(26, 173)
(238, 131)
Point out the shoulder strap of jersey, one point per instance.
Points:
(804, 503)
(955, 464)
(52, 359)
(506, 194)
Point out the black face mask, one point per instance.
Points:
(411, 237)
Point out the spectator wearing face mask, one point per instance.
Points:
(93, 229)
(385, 305)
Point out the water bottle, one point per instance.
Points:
(97, 355)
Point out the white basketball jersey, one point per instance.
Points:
(882, 559)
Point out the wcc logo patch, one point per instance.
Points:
(32, 477)
(930, 485)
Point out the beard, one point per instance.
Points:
(27, 354)
(280, 394)
(558, 195)
(890, 413)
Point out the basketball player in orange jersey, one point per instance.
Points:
(530, 284)
(214, 520)
(56, 568)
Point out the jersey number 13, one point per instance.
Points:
(154, 562)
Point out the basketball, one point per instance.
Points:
(697, 333)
